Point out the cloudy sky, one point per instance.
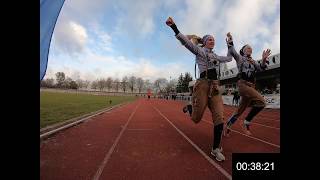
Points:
(113, 38)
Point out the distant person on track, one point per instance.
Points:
(236, 97)
(188, 107)
(149, 94)
(246, 82)
(206, 90)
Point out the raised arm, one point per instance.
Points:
(231, 50)
(182, 38)
(262, 66)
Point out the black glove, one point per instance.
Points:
(175, 29)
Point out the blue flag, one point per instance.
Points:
(49, 12)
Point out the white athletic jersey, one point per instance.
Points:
(204, 55)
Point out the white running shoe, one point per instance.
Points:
(218, 154)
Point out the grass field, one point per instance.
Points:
(57, 107)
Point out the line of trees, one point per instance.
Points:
(126, 84)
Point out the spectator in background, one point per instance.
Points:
(236, 97)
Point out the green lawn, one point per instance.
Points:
(57, 107)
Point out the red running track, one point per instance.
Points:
(151, 139)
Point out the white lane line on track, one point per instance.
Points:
(108, 155)
(139, 129)
(223, 171)
(266, 142)
(265, 126)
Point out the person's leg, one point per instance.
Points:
(242, 107)
(185, 108)
(244, 103)
(246, 123)
(215, 104)
(216, 107)
(188, 108)
(199, 100)
(257, 103)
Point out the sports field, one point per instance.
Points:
(57, 107)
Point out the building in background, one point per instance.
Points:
(268, 81)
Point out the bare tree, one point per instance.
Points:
(132, 82)
(109, 83)
(170, 86)
(67, 82)
(94, 84)
(124, 83)
(159, 84)
(80, 83)
(147, 85)
(49, 83)
(73, 85)
(86, 84)
(60, 78)
(101, 84)
(140, 84)
(116, 84)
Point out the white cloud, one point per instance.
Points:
(274, 41)
(75, 75)
(245, 15)
(100, 40)
(76, 20)
(137, 17)
(73, 39)
(172, 4)
(197, 18)
(70, 37)
(49, 73)
(80, 31)
(106, 41)
(147, 70)
(248, 20)
(117, 67)
(85, 11)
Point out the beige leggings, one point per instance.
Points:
(249, 97)
(206, 93)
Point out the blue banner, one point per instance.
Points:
(49, 12)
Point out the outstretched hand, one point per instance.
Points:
(266, 54)
(229, 38)
(169, 21)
